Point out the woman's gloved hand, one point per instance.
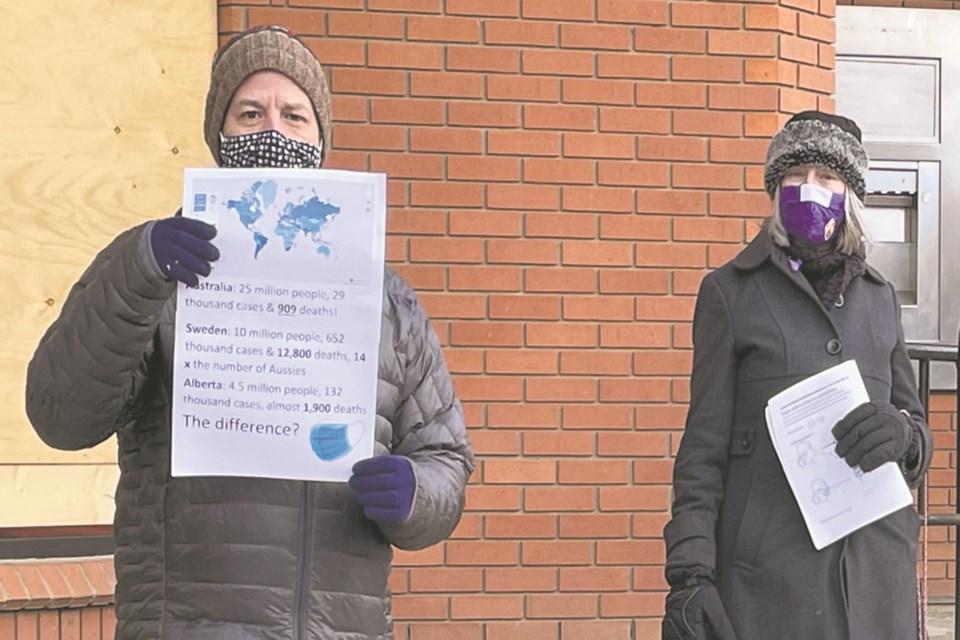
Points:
(182, 248)
(873, 433)
(694, 611)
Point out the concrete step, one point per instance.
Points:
(940, 622)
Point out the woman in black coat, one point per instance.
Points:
(799, 299)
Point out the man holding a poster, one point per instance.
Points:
(257, 555)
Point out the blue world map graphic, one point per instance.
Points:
(296, 217)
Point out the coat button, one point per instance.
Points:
(746, 440)
(833, 346)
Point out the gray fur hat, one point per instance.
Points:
(269, 48)
(823, 139)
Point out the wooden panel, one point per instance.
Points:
(39, 495)
(102, 105)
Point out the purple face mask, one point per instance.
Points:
(811, 212)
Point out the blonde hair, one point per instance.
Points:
(852, 238)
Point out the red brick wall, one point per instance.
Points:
(941, 483)
(913, 4)
(562, 174)
(57, 600)
(90, 623)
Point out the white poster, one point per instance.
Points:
(275, 362)
(835, 500)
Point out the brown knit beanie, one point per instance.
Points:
(261, 49)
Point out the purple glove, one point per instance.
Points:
(182, 248)
(873, 433)
(385, 486)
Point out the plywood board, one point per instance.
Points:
(46, 495)
(102, 105)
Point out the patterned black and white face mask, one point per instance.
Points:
(268, 149)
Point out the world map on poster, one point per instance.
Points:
(290, 216)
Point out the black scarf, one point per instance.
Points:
(828, 271)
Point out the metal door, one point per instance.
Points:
(896, 69)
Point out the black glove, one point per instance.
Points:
(182, 248)
(694, 611)
(872, 434)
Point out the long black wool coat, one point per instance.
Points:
(759, 328)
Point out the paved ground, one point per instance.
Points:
(940, 624)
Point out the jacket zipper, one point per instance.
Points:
(303, 561)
